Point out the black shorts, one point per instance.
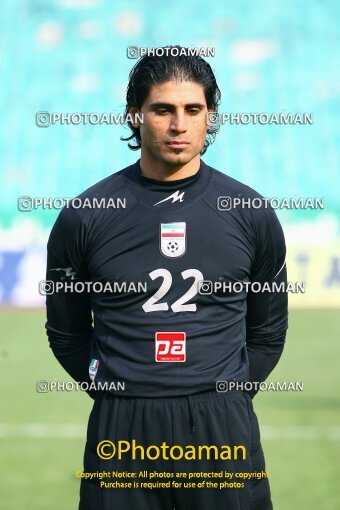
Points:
(202, 419)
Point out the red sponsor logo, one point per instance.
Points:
(170, 346)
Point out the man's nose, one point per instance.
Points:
(178, 123)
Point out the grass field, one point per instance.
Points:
(42, 436)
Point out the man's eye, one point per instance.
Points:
(161, 111)
(194, 111)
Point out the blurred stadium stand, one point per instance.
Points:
(71, 56)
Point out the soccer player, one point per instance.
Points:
(167, 341)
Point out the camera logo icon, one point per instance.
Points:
(221, 386)
(212, 119)
(132, 52)
(224, 203)
(46, 287)
(43, 119)
(25, 203)
(205, 287)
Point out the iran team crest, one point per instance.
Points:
(173, 239)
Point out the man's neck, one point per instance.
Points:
(168, 172)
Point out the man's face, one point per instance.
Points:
(174, 128)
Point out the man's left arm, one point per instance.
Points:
(267, 311)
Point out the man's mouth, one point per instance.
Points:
(178, 144)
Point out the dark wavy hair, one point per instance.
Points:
(154, 70)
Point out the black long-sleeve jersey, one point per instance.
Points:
(140, 249)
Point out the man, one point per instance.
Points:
(168, 344)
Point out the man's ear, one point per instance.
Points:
(135, 121)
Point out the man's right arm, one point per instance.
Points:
(69, 318)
